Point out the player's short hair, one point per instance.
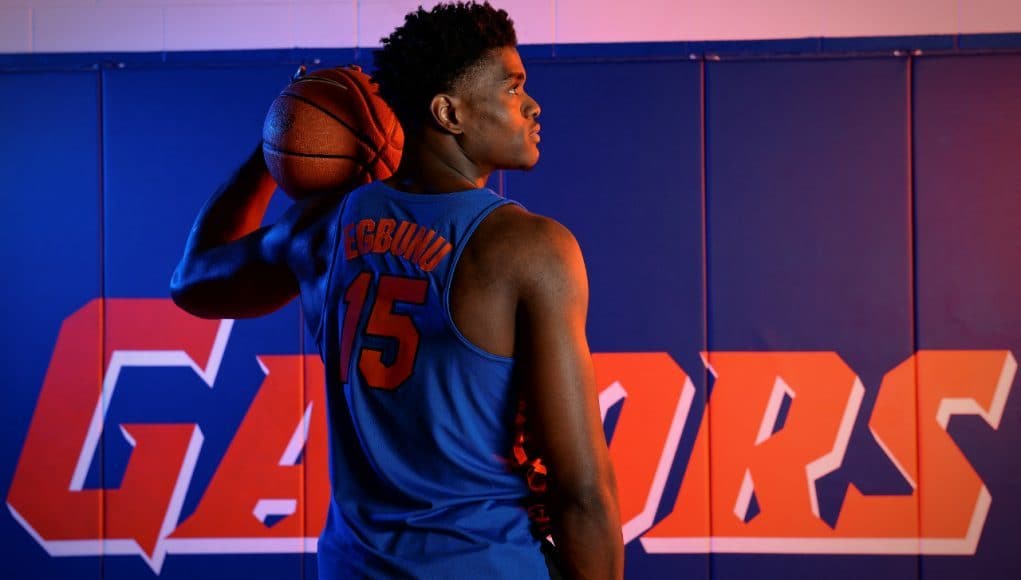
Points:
(432, 50)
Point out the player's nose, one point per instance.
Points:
(532, 108)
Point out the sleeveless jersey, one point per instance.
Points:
(422, 421)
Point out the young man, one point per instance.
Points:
(429, 352)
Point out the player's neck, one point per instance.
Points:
(436, 166)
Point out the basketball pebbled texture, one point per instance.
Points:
(330, 131)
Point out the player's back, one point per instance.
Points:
(422, 420)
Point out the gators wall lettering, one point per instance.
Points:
(775, 423)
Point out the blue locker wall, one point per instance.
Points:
(51, 245)
(171, 138)
(861, 205)
(808, 249)
(967, 209)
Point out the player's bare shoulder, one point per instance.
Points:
(514, 259)
(531, 250)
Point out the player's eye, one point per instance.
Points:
(514, 90)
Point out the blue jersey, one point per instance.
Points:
(422, 421)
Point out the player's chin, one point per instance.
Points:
(521, 158)
(529, 158)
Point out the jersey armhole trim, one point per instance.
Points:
(318, 335)
(450, 279)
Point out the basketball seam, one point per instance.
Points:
(321, 80)
(375, 159)
(357, 134)
(379, 157)
(366, 97)
(276, 149)
(354, 78)
(389, 145)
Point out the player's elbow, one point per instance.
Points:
(185, 301)
(179, 286)
(595, 494)
(186, 293)
(590, 518)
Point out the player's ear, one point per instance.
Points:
(444, 109)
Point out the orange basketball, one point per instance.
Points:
(330, 131)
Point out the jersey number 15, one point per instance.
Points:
(383, 322)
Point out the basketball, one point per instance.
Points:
(330, 131)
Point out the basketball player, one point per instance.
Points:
(439, 308)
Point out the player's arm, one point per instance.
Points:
(231, 267)
(559, 383)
